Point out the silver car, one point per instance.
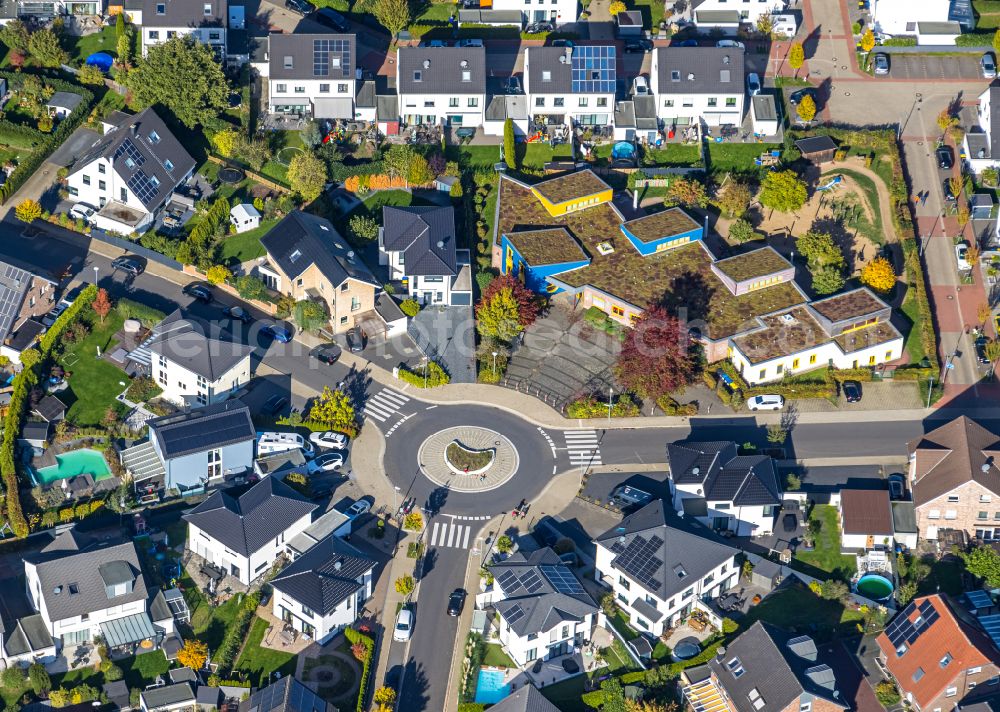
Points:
(881, 63)
(988, 65)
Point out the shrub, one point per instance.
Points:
(435, 375)
(142, 389)
(591, 407)
(38, 676)
(887, 693)
(12, 678)
(355, 638)
(669, 406)
(410, 307)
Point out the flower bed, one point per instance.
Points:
(467, 461)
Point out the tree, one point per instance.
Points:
(120, 24)
(783, 191)
(886, 691)
(945, 120)
(414, 521)
(193, 654)
(868, 40)
(609, 606)
(765, 25)
(225, 142)
(834, 590)
(996, 41)
(89, 74)
(15, 35)
(614, 696)
(879, 275)
(385, 699)
(796, 57)
(39, 678)
(498, 317)
(30, 358)
(218, 274)
(972, 255)
(806, 108)
(44, 46)
(183, 75)
(397, 160)
(404, 585)
(255, 152)
(735, 200)
(827, 280)
(984, 562)
(527, 302)
(362, 228)
(12, 678)
(687, 192)
(393, 15)
(655, 358)
(334, 410)
(311, 135)
(250, 287)
(819, 249)
(101, 304)
(28, 210)
(509, 147)
(310, 314)
(992, 349)
(124, 45)
(741, 230)
(419, 172)
(505, 544)
(307, 175)
(776, 433)
(906, 592)
(616, 7)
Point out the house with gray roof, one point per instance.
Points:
(726, 491)
(441, 85)
(312, 75)
(307, 259)
(244, 532)
(285, 695)
(62, 103)
(130, 173)
(417, 243)
(324, 590)
(693, 84)
(524, 699)
(544, 611)
(26, 640)
(571, 86)
(202, 20)
(661, 565)
(26, 295)
(167, 698)
(982, 147)
(193, 450)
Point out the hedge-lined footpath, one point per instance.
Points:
(354, 637)
(16, 410)
(47, 143)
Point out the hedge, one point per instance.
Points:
(354, 637)
(594, 699)
(590, 407)
(19, 135)
(435, 376)
(975, 39)
(901, 42)
(235, 636)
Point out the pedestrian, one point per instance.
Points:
(923, 197)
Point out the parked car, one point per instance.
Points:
(279, 333)
(201, 292)
(456, 601)
(356, 339)
(753, 84)
(881, 63)
(329, 440)
(796, 97)
(766, 402)
(514, 85)
(980, 344)
(332, 19)
(688, 43)
(562, 43)
(789, 522)
(436, 43)
(639, 46)
(639, 86)
(961, 256)
(129, 265)
(82, 211)
(949, 194)
(730, 43)
(852, 391)
(404, 626)
(538, 27)
(329, 462)
(470, 43)
(326, 353)
(897, 486)
(988, 64)
(627, 496)
(320, 490)
(238, 314)
(274, 405)
(358, 508)
(300, 6)
(945, 158)
(50, 318)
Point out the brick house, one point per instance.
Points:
(955, 479)
(937, 658)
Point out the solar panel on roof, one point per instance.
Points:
(594, 69)
(508, 581)
(979, 599)
(143, 186)
(531, 581)
(323, 50)
(515, 614)
(991, 624)
(562, 580)
(128, 149)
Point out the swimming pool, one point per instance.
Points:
(73, 463)
(490, 688)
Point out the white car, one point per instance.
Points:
(50, 318)
(358, 508)
(639, 86)
(753, 84)
(328, 462)
(404, 626)
(730, 43)
(961, 252)
(329, 440)
(82, 211)
(766, 402)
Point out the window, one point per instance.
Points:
(344, 287)
(168, 164)
(911, 26)
(946, 660)
(805, 707)
(981, 515)
(161, 8)
(418, 76)
(466, 75)
(624, 583)
(679, 570)
(934, 514)
(343, 320)
(73, 191)
(871, 360)
(675, 75)
(207, 9)
(668, 103)
(901, 651)
(532, 654)
(617, 311)
(642, 624)
(735, 667)
(602, 101)
(453, 102)
(324, 88)
(795, 363)
(341, 88)
(565, 632)
(888, 355)
(539, 101)
(623, 598)
(763, 374)
(918, 674)
(473, 102)
(214, 36)
(102, 169)
(300, 90)
(86, 180)
(558, 102)
(124, 195)
(712, 101)
(355, 303)
(688, 593)
(779, 368)
(546, 76)
(730, 101)
(951, 692)
(985, 498)
(687, 101)
(171, 34)
(953, 498)
(996, 515)
(428, 104)
(650, 600)
(154, 35)
(281, 88)
(289, 62)
(950, 514)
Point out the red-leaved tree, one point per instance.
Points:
(527, 301)
(101, 304)
(654, 359)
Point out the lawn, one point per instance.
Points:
(80, 48)
(913, 344)
(142, 670)
(259, 663)
(566, 695)
(652, 12)
(826, 557)
(736, 157)
(798, 609)
(373, 204)
(245, 246)
(433, 13)
(496, 657)
(871, 194)
(621, 624)
(346, 684)
(474, 156)
(208, 623)
(673, 154)
(93, 383)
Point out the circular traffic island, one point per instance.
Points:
(468, 461)
(468, 458)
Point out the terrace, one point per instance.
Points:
(659, 225)
(752, 265)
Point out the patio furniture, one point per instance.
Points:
(696, 624)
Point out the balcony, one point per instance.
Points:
(705, 696)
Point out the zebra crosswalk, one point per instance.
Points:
(583, 447)
(384, 404)
(450, 535)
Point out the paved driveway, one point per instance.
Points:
(933, 66)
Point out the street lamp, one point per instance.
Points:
(494, 364)
(610, 403)
(395, 496)
(95, 275)
(425, 372)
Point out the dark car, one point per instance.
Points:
(277, 332)
(790, 522)
(980, 344)
(456, 601)
(852, 391)
(948, 193)
(537, 27)
(356, 339)
(638, 46)
(945, 158)
(201, 292)
(688, 43)
(300, 6)
(327, 353)
(274, 405)
(332, 19)
(320, 490)
(562, 43)
(796, 97)
(238, 314)
(129, 265)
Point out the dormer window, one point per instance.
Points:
(168, 165)
(161, 8)
(675, 76)
(546, 76)
(154, 137)
(679, 570)
(418, 76)
(154, 181)
(207, 9)
(289, 62)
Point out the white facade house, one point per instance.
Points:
(245, 535)
(693, 84)
(323, 591)
(866, 521)
(901, 17)
(982, 147)
(709, 14)
(571, 86)
(659, 565)
(558, 12)
(161, 20)
(441, 85)
(312, 75)
(130, 173)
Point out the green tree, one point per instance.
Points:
(397, 160)
(827, 280)
(44, 46)
(38, 676)
(250, 287)
(984, 562)
(89, 74)
(334, 410)
(419, 172)
(735, 200)
(505, 544)
(783, 191)
(806, 108)
(183, 75)
(225, 142)
(796, 57)
(124, 45)
(996, 41)
(310, 314)
(765, 25)
(499, 317)
(886, 691)
(307, 175)
(393, 15)
(12, 678)
(820, 250)
(15, 35)
(120, 24)
(509, 147)
(742, 231)
(834, 590)
(255, 152)
(404, 585)
(776, 433)
(906, 592)
(363, 228)
(311, 134)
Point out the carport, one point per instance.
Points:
(373, 326)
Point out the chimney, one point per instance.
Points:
(569, 54)
(336, 565)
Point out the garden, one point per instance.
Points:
(823, 558)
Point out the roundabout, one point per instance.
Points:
(495, 471)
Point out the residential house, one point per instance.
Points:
(161, 20)
(954, 476)
(192, 451)
(982, 144)
(571, 86)
(899, 17)
(698, 84)
(26, 640)
(26, 295)
(766, 669)
(936, 657)
(332, 523)
(544, 611)
(245, 534)
(518, 12)
(709, 15)
(524, 699)
(285, 695)
(323, 591)
(865, 519)
(307, 259)
(441, 85)
(130, 173)
(660, 566)
(312, 75)
(713, 483)
(418, 246)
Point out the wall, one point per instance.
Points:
(523, 650)
(748, 285)
(264, 557)
(325, 626)
(744, 521)
(665, 243)
(559, 12)
(534, 277)
(574, 205)
(962, 514)
(180, 385)
(214, 36)
(824, 353)
(311, 90)
(187, 471)
(573, 106)
(895, 17)
(437, 108)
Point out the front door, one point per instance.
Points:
(427, 297)
(234, 570)
(557, 650)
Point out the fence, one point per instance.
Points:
(135, 248)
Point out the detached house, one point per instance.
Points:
(726, 491)
(130, 173)
(26, 295)
(719, 14)
(245, 534)
(418, 245)
(161, 20)
(693, 84)
(955, 480)
(311, 75)
(285, 695)
(441, 85)
(982, 148)
(571, 86)
(308, 259)
(660, 566)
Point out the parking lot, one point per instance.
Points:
(934, 66)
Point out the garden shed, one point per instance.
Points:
(629, 23)
(817, 149)
(244, 217)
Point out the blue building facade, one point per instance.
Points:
(535, 276)
(662, 231)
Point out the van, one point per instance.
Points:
(627, 496)
(273, 442)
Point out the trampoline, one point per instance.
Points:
(623, 150)
(686, 648)
(230, 175)
(101, 60)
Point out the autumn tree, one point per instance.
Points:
(796, 57)
(868, 40)
(414, 521)
(879, 275)
(225, 142)
(688, 192)
(393, 15)
(101, 304)
(193, 654)
(15, 35)
(385, 699)
(783, 191)
(765, 25)
(735, 199)
(983, 312)
(307, 175)
(28, 210)
(527, 301)
(616, 7)
(955, 186)
(992, 349)
(806, 108)
(218, 274)
(89, 74)
(996, 41)
(972, 255)
(945, 120)
(404, 585)
(334, 410)
(498, 317)
(655, 359)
